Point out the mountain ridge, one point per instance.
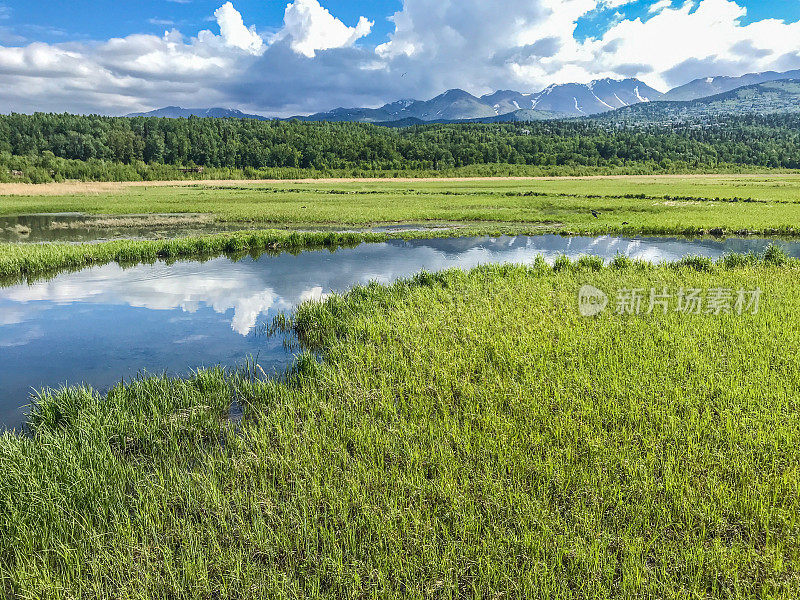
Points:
(597, 98)
(711, 86)
(176, 112)
(562, 100)
(770, 97)
(555, 101)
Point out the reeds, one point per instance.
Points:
(28, 261)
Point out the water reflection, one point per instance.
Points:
(78, 227)
(105, 323)
(82, 228)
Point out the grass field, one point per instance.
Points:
(465, 435)
(654, 204)
(456, 435)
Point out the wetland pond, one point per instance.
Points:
(102, 324)
(83, 228)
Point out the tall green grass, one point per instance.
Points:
(30, 261)
(454, 435)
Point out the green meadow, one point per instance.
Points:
(455, 435)
(654, 204)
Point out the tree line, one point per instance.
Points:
(54, 146)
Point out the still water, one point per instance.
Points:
(103, 324)
(82, 228)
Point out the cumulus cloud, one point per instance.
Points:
(502, 44)
(469, 29)
(314, 61)
(311, 27)
(710, 33)
(491, 45)
(234, 32)
(659, 6)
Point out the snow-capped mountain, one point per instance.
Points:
(556, 101)
(572, 99)
(508, 101)
(599, 96)
(710, 86)
(452, 105)
(770, 97)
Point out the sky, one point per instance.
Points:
(280, 57)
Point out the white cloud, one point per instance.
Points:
(495, 45)
(313, 62)
(313, 294)
(679, 44)
(234, 31)
(222, 289)
(470, 30)
(310, 27)
(659, 6)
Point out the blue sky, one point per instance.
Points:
(101, 19)
(51, 21)
(297, 56)
(594, 24)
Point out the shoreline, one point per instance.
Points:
(30, 262)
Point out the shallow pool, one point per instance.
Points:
(103, 324)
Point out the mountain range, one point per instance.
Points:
(782, 96)
(567, 100)
(626, 99)
(711, 86)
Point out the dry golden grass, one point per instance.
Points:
(59, 189)
(81, 187)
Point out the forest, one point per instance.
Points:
(46, 147)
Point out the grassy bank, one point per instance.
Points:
(466, 435)
(30, 261)
(761, 204)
